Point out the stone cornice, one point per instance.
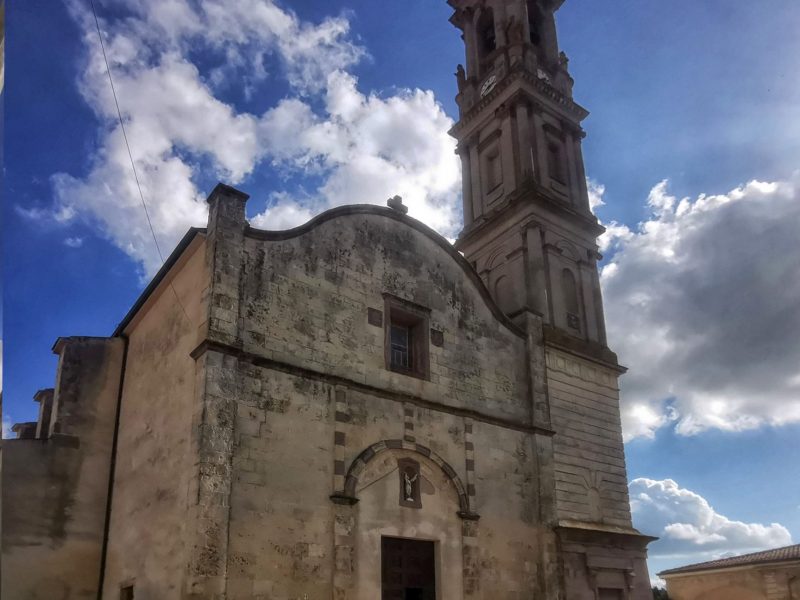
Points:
(591, 351)
(581, 531)
(258, 360)
(544, 88)
(587, 222)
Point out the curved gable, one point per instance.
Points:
(370, 209)
(322, 296)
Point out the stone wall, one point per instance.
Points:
(307, 299)
(55, 487)
(768, 582)
(599, 547)
(317, 414)
(287, 538)
(591, 480)
(155, 462)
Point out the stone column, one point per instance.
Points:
(541, 149)
(471, 564)
(549, 36)
(507, 150)
(500, 24)
(572, 169)
(475, 176)
(583, 192)
(555, 294)
(547, 584)
(588, 297)
(43, 423)
(217, 394)
(224, 255)
(540, 401)
(535, 276)
(344, 513)
(598, 301)
(526, 165)
(470, 41)
(466, 187)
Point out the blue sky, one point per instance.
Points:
(693, 149)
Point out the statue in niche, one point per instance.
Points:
(409, 485)
(410, 481)
(461, 77)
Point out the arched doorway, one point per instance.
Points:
(408, 527)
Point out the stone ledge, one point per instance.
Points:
(336, 380)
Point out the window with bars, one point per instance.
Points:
(407, 337)
(400, 346)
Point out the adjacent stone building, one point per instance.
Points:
(352, 409)
(768, 575)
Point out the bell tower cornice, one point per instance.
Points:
(529, 88)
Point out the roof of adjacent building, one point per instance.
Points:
(787, 553)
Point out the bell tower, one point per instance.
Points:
(528, 229)
(531, 236)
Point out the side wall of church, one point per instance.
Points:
(55, 487)
(154, 464)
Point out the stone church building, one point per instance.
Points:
(354, 408)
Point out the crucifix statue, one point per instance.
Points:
(409, 485)
(410, 482)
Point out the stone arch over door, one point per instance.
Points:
(370, 453)
(370, 505)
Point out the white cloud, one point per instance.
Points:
(703, 305)
(358, 147)
(596, 193)
(689, 528)
(657, 582)
(73, 242)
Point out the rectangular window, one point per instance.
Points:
(401, 349)
(407, 337)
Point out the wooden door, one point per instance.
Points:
(408, 569)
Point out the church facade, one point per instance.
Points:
(354, 408)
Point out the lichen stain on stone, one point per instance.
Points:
(302, 326)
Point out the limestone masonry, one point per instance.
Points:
(352, 409)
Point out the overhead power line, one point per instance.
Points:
(130, 154)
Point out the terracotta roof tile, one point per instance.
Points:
(767, 556)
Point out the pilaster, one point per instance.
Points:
(217, 393)
(507, 146)
(224, 256)
(588, 297)
(466, 186)
(535, 269)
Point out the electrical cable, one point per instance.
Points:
(130, 154)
